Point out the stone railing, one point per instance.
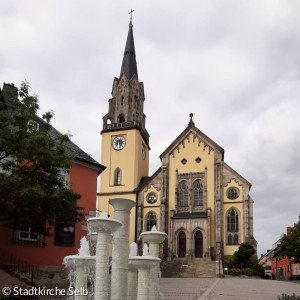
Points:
(118, 125)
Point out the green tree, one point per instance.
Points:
(290, 244)
(32, 156)
(243, 254)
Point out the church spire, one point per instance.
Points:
(126, 107)
(129, 67)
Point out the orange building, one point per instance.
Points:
(42, 256)
(279, 265)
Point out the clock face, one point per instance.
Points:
(119, 143)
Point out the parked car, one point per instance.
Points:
(269, 275)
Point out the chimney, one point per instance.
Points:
(288, 230)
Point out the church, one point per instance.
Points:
(195, 197)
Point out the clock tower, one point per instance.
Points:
(125, 140)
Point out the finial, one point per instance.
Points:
(130, 13)
(191, 120)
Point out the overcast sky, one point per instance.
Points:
(234, 64)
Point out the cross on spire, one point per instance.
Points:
(130, 13)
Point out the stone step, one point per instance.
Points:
(197, 268)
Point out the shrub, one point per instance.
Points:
(287, 297)
(295, 277)
(245, 271)
(235, 272)
(259, 270)
(231, 262)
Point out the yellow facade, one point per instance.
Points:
(191, 149)
(238, 205)
(130, 162)
(148, 207)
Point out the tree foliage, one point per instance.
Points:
(32, 192)
(243, 254)
(290, 244)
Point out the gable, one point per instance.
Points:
(230, 175)
(194, 134)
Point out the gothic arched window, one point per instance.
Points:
(229, 239)
(183, 194)
(235, 239)
(121, 119)
(232, 221)
(150, 221)
(117, 177)
(198, 194)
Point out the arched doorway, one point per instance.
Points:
(181, 244)
(198, 244)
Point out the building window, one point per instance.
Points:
(137, 103)
(183, 194)
(236, 239)
(64, 234)
(198, 194)
(151, 198)
(198, 160)
(117, 177)
(229, 239)
(151, 221)
(121, 119)
(63, 177)
(27, 234)
(233, 193)
(184, 161)
(122, 100)
(232, 221)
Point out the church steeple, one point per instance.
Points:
(129, 67)
(126, 108)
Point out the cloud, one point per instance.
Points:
(234, 64)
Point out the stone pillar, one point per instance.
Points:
(143, 264)
(81, 279)
(119, 274)
(132, 283)
(102, 266)
(143, 283)
(82, 265)
(105, 227)
(154, 239)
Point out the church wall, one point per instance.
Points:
(148, 207)
(237, 204)
(132, 165)
(190, 149)
(103, 205)
(129, 160)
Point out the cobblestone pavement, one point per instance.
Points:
(225, 289)
(244, 289)
(184, 288)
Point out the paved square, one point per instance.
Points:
(225, 289)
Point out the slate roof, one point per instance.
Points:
(129, 66)
(147, 179)
(190, 128)
(73, 150)
(8, 96)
